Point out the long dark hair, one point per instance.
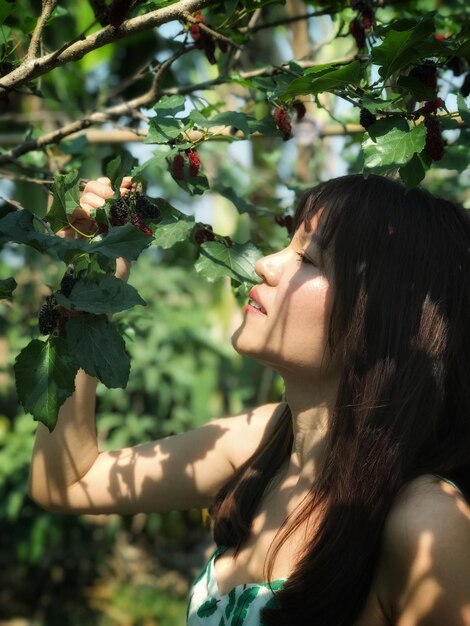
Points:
(401, 263)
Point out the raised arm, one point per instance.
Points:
(69, 474)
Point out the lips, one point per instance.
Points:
(255, 302)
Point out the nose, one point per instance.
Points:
(269, 268)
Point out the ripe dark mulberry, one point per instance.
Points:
(426, 73)
(67, 283)
(434, 141)
(194, 162)
(432, 105)
(299, 109)
(457, 65)
(48, 316)
(201, 235)
(281, 117)
(118, 12)
(146, 208)
(367, 18)
(119, 213)
(356, 29)
(177, 167)
(366, 118)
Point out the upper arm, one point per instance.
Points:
(426, 557)
(176, 473)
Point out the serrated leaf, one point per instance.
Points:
(228, 118)
(463, 109)
(324, 80)
(170, 105)
(414, 171)
(164, 129)
(418, 89)
(66, 198)
(99, 349)
(18, 227)
(237, 261)
(166, 235)
(101, 293)
(400, 47)
(119, 167)
(121, 241)
(45, 378)
(7, 287)
(393, 148)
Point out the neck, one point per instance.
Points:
(311, 409)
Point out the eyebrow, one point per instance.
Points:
(306, 238)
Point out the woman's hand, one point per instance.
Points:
(94, 195)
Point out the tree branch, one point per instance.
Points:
(47, 8)
(31, 69)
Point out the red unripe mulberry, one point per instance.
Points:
(194, 162)
(281, 117)
(367, 18)
(356, 29)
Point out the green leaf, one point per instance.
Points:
(170, 105)
(45, 378)
(99, 349)
(119, 167)
(7, 287)
(396, 147)
(399, 48)
(315, 82)
(207, 608)
(463, 109)
(166, 235)
(238, 261)
(100, 293)
(243, 604)
(228, 118)
(162, 130)
(414, 171)
(19, 227)
(418, 89)
(126, 241)
(66, 199)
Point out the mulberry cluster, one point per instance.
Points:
(179, 162)
(119, 213)
(204, 40)
(48, 316)
(67, 283)
(281, 117)
(203, 233)
(366, 118)
(361, 24)
(434, 141)
(425, 73)
(135, 208)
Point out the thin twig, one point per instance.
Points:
(216, 35)
(47, 7)
(31, 69)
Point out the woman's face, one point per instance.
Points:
(289, 333)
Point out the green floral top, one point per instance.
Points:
(240, 607)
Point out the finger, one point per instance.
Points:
(126, 181)
(90, 201)
(104, 180)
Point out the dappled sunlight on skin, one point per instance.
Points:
(280, 505)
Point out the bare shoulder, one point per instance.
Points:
(425, 561)
(246, 431)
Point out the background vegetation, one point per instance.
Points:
(79, 83)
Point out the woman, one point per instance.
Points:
(347, 498)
